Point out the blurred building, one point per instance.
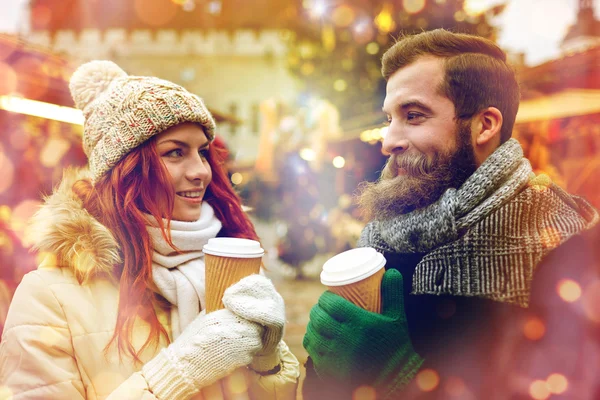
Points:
(559, 117)
(232, 54)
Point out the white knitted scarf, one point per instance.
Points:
(179, 277)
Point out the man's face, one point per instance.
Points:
(429, 151)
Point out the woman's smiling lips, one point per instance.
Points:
(191, 196)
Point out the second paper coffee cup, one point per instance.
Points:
(227, 260)
(356, 276)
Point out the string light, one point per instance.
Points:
(41, 109)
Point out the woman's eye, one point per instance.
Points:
(203, 153)
(174, 153)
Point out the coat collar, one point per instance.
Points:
(70, 235)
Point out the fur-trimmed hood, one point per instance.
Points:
(65, 229)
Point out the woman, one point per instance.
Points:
(114, 310)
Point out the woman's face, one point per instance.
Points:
(184, 150)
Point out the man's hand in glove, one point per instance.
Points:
(349, 344)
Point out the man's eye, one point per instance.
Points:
(414, 116)
(174, 153)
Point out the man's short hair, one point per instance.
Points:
(477, 75)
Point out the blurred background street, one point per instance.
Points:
(296, 90)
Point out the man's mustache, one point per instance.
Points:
(414, 165)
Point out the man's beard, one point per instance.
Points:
(425, 180)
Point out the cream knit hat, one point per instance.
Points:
(121, 111)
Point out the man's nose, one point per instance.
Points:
(394, 141)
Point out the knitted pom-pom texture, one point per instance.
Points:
(91, 79)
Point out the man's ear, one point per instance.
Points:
(488, 126)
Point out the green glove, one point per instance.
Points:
(347, 343)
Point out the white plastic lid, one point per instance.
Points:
(351, 266)
(233, 247)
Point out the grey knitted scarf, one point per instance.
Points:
(485, 238)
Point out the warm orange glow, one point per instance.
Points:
(155, 13)
(343, 16)
(455, 386)
(539, 390)
(364, 393)
(557, 383)
(534, 329)
(384, 20)
(53, 151)
(32, 67)
(8, 83)
(569, 290)
(21, 214)
(428, 380)
(475, 7)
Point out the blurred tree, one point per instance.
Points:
(337, 46)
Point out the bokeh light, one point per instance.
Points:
(21, 215)
(339, 162)
(569, 290)
(475, 7)
(534, 329)
(343, 16)
(345, 200)
(237, 178)
(539, 390)
(372, 48)
(384, 20)
(428, 380)
(155, 13)
(557, 383)
(340, 85)
(8, 83)
(364, 393)
(53, 151)
(413, 6)
(8, 171)
(5, 212)
(455, 386)
(363, 31)
(307, 68)
(308, 154)
(460, 16)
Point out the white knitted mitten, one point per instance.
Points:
(254, 298)
(209, 348)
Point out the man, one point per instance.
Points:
(459, 213)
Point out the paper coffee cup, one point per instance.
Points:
(356, 276)
(227, 260)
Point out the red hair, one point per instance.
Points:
(140, 184)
